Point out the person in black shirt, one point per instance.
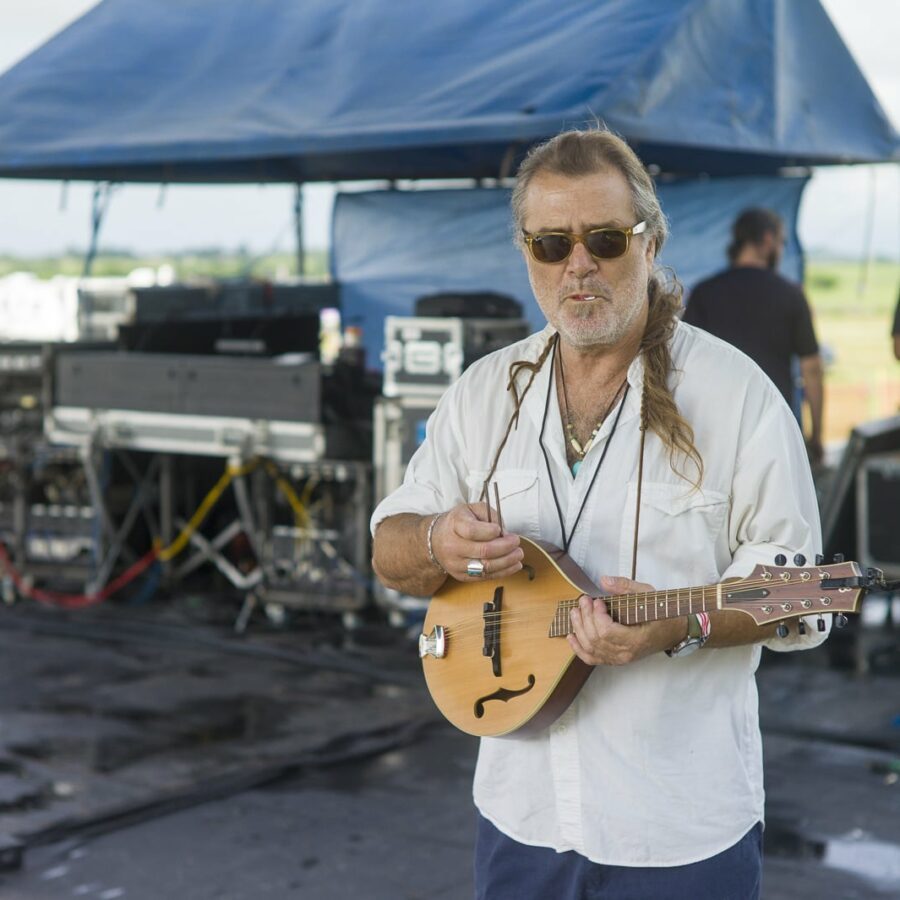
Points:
(763, 314)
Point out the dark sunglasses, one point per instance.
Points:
(601, 243)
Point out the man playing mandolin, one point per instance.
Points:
(652, 454)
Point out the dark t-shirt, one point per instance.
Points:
(895, 328)
(760, 313)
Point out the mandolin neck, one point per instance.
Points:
(650, 606)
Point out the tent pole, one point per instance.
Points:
(298, 228)
(99, 206)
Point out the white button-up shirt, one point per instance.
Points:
(656, 763)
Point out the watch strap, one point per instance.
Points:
(699, 628)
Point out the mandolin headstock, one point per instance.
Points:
(776, 593)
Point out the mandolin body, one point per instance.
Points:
(539, 675)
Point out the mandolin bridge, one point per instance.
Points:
(491, 615)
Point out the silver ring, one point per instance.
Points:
(475, 568)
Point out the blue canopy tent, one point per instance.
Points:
(341, 90)
(338, 90)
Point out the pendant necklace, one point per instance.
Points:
(567, 537)
(579, 450)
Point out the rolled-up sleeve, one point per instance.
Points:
(433, 479)
(774, 510)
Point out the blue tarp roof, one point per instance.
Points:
(282, 90)
(391, 247)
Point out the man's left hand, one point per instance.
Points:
(599, 641)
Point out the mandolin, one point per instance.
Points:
(494, 653)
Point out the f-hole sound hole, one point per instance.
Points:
(503, 695)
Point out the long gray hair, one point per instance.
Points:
(579, 153)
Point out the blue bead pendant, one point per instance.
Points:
(576, 466)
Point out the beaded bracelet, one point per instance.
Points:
(431, 555)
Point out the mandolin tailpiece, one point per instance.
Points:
(433, 644)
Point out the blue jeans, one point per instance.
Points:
(508, 870)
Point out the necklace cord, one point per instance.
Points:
(637, 504)
(567, 539)
(514, 369)
(556, 503)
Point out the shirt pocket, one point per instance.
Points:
(678, 534)
(519, 491)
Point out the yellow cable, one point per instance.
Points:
(301, 517)
(231, 472)
(308, 488)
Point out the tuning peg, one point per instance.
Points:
(838, 558)
(819, 559)
(820, 623)
(799, 559)
(840, 620)
(780, 560)
(782, 630)
(801, 626)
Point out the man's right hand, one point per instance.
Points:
(464, 533)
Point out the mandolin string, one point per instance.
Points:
(617, 611)
(634, 602)
(627, 603)
(636, 599)
(476, 626)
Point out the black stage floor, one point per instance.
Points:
(149, 753)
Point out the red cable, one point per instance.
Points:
(75, 601)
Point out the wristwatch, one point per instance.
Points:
(697, 636)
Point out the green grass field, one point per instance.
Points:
(191, 264)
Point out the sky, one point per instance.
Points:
(42, 218)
